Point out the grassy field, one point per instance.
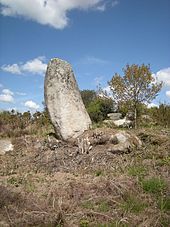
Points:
(46, 182)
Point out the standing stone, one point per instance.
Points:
(63, 101)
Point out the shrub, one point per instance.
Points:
(99, 108)
(14, 124)
(161, 115)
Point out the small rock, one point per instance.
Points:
(114, 116)
(124, 142)
(5, 146)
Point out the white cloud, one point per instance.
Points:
(98, 80)
(150, 105)
(108, 91)
(7, 92)
(101, 8)
(14, 109)
(163, 75)
(49, 12)
(115, 3)
(34, 66)
(21, 93)
(31, 105)
(11, 69)
(168, 94)
(7, 96)
(93, 60)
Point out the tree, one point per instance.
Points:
(136, 87)
(88, 96)
(97, 107)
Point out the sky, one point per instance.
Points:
(97, 37)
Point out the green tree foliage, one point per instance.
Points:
(88, 96)
(97, 107)
(135, 87)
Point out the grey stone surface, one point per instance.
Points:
(123, 123)
(114, 116)
(125, 142)
(5, 146)
(64, 102)
(130, 116)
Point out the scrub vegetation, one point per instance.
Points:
(48, 182)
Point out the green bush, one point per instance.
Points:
(99, 108)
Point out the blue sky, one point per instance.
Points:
(97, 37)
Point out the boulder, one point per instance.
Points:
(146, 117)
(130, 116)
(124, 142)
(109, 140)
(114, 116)
(5, 146)
(64, 102)
(123, 123)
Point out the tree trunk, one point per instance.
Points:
(135, 117)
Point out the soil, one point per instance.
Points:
(48, 182)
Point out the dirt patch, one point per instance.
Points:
(47, 182)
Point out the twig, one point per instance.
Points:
(53, 202)
(114, 185)
(97, 213)
(35, 212)
(8, 215)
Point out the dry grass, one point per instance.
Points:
(48, 183)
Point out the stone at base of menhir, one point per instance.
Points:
(64, 102)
